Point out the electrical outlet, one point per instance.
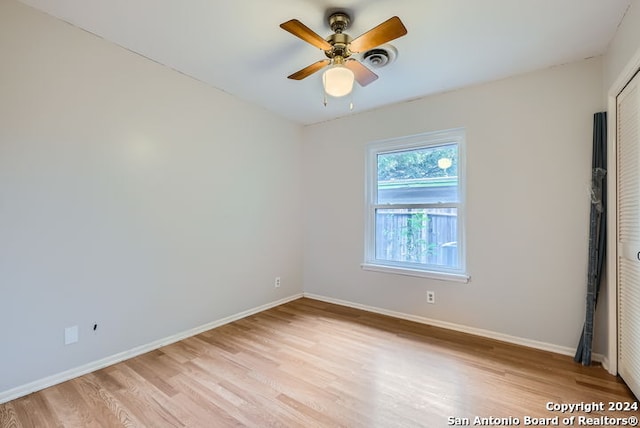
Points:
(276, 283)
(431, 297)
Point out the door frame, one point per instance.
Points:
(610, 362)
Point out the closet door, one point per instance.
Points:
(628, 234)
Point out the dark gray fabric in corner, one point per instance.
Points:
(597, 233)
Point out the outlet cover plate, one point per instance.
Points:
(70, 335)
(431, 297)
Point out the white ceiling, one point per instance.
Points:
(238, 47)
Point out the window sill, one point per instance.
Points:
(443, 276)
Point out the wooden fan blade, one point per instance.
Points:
(363, 75)
(300, 30)
(309, 70)
(389, 30)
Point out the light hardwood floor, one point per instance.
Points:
(309, 363)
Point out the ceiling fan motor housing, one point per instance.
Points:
(339, 41)
(339, 21)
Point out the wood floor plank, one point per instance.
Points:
(314, 364)
(109, 410)
(9, 417)
(69, 406)
(36, 411)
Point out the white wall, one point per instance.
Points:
(131, 196)
(529, 160)
(624, 45)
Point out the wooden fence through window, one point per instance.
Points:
(424, 236)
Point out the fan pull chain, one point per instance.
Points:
(324, 101)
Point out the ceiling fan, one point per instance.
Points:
(338, 47)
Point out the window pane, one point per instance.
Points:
(427, 236)
(426, 175)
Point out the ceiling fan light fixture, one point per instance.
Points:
(338, 80)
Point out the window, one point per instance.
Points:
(415, 206)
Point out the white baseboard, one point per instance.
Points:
(48, 381)
(458, 327)
(602, 359)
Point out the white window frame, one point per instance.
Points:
(425, 140)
